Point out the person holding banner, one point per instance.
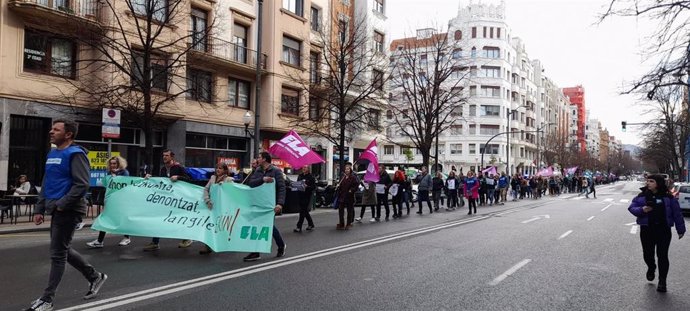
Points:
(117, 166)
(176, 172)
(266, 172)
(346, 198)
(382, 187)
(397, 192)
(304, 198)
(222, 175)
(65, 183)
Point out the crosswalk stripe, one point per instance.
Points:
(624, 201)
(608, 200)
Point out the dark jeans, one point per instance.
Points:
(658, 237)
(101, 236)
(490, 196)
(482, 197)
(591, 190)
(422, 196)
(397, 203)
(437, 197)
(382, 198)
(276, 237)
(304, 214)
(62, 228)
(452, 198)
(350, 213)
(472, 203)
(364, 209)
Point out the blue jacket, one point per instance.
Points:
(673, 213)
(503, 182)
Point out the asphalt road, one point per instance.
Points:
(560, 253)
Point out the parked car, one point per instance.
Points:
(683, 195)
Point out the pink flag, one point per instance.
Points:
(571, 170)
(371, 154)
(491, 171)
(295, 151)
(546, 172)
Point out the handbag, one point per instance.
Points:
(335, 202)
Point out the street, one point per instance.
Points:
(556, 253)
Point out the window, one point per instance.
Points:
(491, 72)
(474, 32)
(239, 39)
(455, 148)
(489, 129)
(238, 93)
(198, 29)
(199, 85)
(491, 33)
(491, 111)
(484, 32)
(342, 32)
(498, 33)
(378, 6)
(423, 60)
(315, 19)
(49, 55)
(314, 108)
(473, 111)
(378, 79)
(473, 54)
(289, 101)
(388, 149)
(489, 149)
(491, 91)
(473, 149)
(294, 6)
(473, 92)
(456, 73)
(158, 74)
(458, 35)
(157, 9)
(373, 119)
(378, 40)
(457, 53)
(456, 129)
(492, 52)
(389, 114)
(291, 51)
(473, 129)
(314, 73)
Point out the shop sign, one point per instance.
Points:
(111, 123)
(98, 164)
(232, 163)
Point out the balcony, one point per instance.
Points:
(216, 52)
(64, 16)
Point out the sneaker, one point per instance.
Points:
(95, 286)
(252, 257)
(151, 247)
(281, 251)
(79, 226)
(94, 244)
(650, 274)
(372, 220)
(298, 230)
(310, 228)
(358, 219)
(124, 242)
(661, 287)
(40, 305)
(185, 243)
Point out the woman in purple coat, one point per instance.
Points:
(657, 211)
(471, 188)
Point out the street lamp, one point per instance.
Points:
(509, 114)
(247, 119)
(257, 101)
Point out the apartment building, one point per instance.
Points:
(592, 138)
(506, 94)
(577, 99)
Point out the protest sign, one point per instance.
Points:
(241, 219)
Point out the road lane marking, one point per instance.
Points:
(624, 201)
(609, 200)
(607, 206)
(223, 276)
(565, 234)
(630, 224)
(590, 218)
(578, 198)
(509, 272)
(530, 220)
(633, 229)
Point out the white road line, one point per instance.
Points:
(223, 276)
(607, 206)
(609, 200)
(630, 224)
(509, 272)
(624, 201)
(633, 229)
(578, 198)
(590, 218)
(565, 234)
(530, 220)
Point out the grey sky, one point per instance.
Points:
(563, 35)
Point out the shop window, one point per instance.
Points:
(47, 54)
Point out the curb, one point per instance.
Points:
(30, 229)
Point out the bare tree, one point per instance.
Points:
(428, 76)
(346, 89)
(136, 61)
(556, 148)
(670, 42)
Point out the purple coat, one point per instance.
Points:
(673, 213)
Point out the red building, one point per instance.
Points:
(577, 98)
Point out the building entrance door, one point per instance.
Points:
(29, 146)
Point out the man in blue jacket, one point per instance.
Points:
(65, 184)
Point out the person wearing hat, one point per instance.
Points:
(657, 211)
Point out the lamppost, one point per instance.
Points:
(247, 119)
(509, 114)
(257, 96)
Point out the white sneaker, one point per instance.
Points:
(94, 244)
(372, 220)
(185, 243)
(124, 242)
(358, 219)
(40, 305)
(79, 226)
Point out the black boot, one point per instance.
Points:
(661, 287)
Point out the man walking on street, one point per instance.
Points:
(268, 173)
(65, 184)
(424, 187)
(175, 171)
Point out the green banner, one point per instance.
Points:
(241, 219)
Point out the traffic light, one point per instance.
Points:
(623, 124)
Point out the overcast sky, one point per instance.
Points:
(563, 34)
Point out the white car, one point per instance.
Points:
(683, 196)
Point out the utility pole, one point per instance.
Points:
(257, 101)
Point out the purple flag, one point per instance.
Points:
(295, 151)
(371, 154)
(571, 171)
(491, 171)
(547, 172)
